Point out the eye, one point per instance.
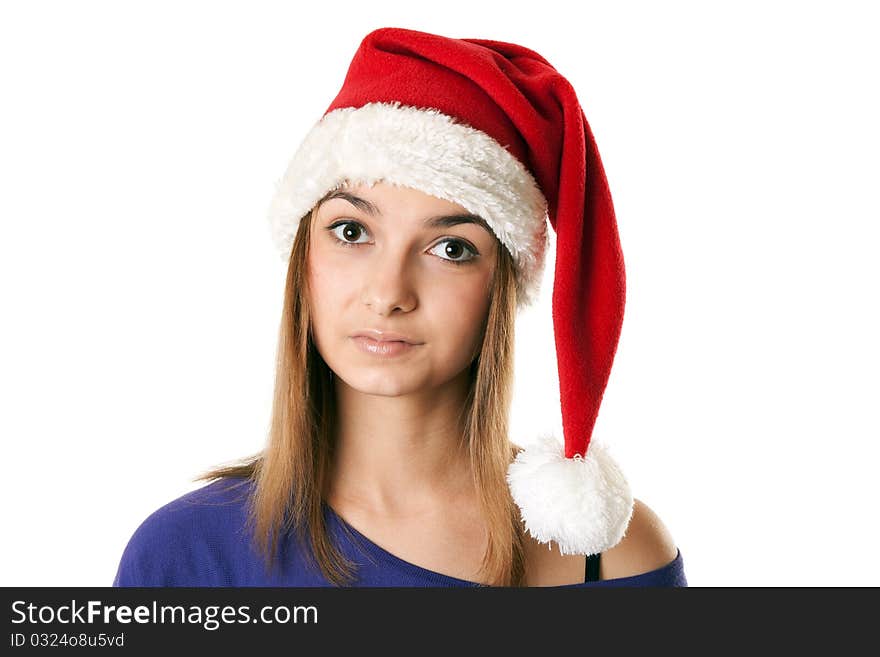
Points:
(454, 249)
(350, 230)
(452, 253)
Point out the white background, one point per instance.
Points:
(139, 146)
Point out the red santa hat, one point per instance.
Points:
(493, 127)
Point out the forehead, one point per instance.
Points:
(385, 198)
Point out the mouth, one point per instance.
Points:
(384, 336)
(383, 348)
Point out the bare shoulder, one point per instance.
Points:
(647, 545)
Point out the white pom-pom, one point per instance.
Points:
(583, 504)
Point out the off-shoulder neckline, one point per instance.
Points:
(440, 579)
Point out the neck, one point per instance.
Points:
(400, 456)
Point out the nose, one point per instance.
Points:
(387, 285)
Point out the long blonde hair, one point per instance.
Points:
(290, 474)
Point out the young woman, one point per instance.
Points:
(411, 241)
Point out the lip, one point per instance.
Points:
(385, 344)
(383, 348)
(384, 336)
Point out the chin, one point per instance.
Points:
(384, 382)
(386, 388)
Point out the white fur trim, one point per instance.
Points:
(583, 504)
(427, 150)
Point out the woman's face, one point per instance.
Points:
(378, 262)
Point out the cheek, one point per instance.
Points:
(328, 278)
(324, 290)
(458, 311)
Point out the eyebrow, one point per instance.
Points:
(445, 221)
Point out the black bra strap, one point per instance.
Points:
(592, 574)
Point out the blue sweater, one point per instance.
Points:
(200, 539)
